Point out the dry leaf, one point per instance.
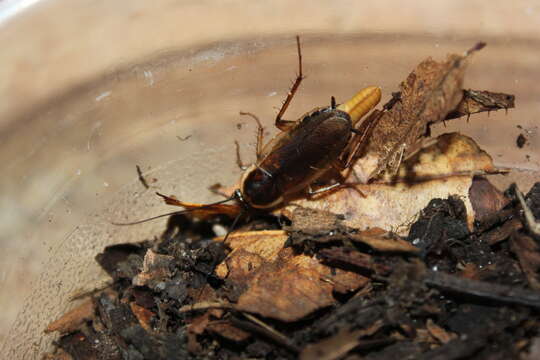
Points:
(475, 101)
(59, 354)
(438, 332)
(383, 240)
(470, 271)
(73, 319)
(486, 199)
(502, 232)
(199, 324)
(143, 315)
(228, 331)
(280, 284)
(294, 286)
(428, 94)
(338, 345)
(249, 250)
(534, 350)
(156, 267)
(346, 256)
(442, 169)
(528, 253)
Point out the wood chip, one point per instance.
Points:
(73, 319)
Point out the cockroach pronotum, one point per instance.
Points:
(323, 138)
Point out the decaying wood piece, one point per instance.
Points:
(428, 94)
(476, 101)
(483, 289)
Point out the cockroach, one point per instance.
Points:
(323, 138)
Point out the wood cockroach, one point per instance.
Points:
(323, 138)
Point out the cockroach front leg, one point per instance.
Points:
(281, 124)
(239, 162)
(260, 135)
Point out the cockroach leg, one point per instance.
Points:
(359, 139)
(217, 189)
(260, 133)
(281, 124)
(324, 189)
(334, 187)
(532, 224)
(238, 159)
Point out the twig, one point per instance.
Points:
(265, 330)
(141, 177)
(206, 305)
(483, 289)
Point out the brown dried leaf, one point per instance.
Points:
(156, 267)
(470, 271)
(281, 284)
(73, 319)
(59, 354)
(475, 101)
(199, 324)
(249, 250)
(437, 171)
(338, 345)
(439, 333)
(345, 255)
(528, 253)
(503, 232)
(228, 331)
(428, 94)
(383, 240)
(534, 350)
(143, 315)
(486, 199)
(313, 222)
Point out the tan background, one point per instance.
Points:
(91, 88)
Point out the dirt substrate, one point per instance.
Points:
(453, 294)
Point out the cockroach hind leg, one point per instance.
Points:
(281, 124)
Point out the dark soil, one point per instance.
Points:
(467, 295)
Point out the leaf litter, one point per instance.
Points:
(431, 262)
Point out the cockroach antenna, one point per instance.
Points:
(180, 212)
